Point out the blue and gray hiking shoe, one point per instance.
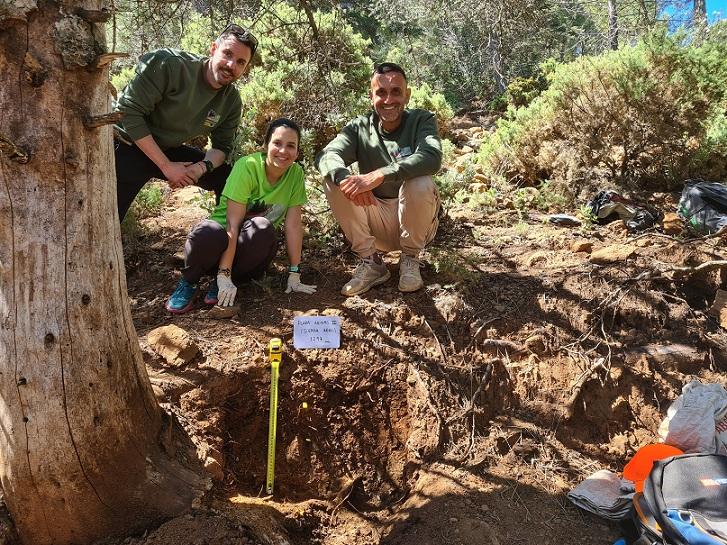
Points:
(181, 300)
(211, 297)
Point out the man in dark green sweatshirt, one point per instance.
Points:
(393, 203)
(174, 97)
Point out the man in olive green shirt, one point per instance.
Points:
(175, 97)
(393, 203)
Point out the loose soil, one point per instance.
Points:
(460, 414)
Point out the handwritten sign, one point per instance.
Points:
(317, 332)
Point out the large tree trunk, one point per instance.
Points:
(86, 451)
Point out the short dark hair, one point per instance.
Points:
(241, 34)
(281, 122)
(386, 67)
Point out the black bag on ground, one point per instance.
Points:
(607, 206)
(703, 205)
(684, 502)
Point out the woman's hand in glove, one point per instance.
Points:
(227, 291)
(294, 284)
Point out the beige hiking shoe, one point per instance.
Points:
(367, 275)
(410, 279)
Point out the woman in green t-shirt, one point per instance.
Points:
(238, 241)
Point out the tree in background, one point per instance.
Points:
(86, 451)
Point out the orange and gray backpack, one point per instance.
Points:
(684, 502)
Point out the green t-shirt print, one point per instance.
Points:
(248, 185)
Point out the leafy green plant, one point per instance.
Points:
(205, 200)
(317, 77)
(424, 97)
(149, 200)
(123, 76)
(148, 203)
(450, 265)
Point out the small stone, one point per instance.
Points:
(173, 344)
(214, 468)
(617, 227)
(612, 254)
(719, 307)
(220, 313)
(453, 519)
(673, 224)
(582, 246)
(158, 393)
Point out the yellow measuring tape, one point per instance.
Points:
(275, 350)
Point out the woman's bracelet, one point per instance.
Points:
(294, 268)
(224, 272)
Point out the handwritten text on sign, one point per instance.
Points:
(317, 332)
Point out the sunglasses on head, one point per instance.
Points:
(242, 34)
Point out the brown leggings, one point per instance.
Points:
(256, 248)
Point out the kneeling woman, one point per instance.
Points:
(238, 241)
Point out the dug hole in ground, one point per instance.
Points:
(459, 414)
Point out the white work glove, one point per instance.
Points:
(227, 291)
(294, 284)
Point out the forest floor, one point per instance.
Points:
(459, 414)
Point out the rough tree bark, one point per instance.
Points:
(699, 19)
(612, 24)
(86, 452)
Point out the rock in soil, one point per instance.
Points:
(173, 344)
(612, 254)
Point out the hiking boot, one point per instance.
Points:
(410, 279)
(210, 297)
(181, 300)
(367, 275)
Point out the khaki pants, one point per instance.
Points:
(407, 223)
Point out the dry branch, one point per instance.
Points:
(106, 58)
(96, 121)
(577, 388)
(676, 272)
(94, 15)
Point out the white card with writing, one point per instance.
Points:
(317, 332)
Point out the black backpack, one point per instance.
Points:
(693, 489)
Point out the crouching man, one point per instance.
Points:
(393, 203)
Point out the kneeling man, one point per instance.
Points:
(393, 203)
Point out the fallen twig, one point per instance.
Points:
(430, 404)
(441, 348)
(501, 344)
(577, 387)
(344, 494)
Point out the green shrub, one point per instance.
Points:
(521, 91)
(148, 203)
(424, 97)
(642, 116)
(320, 82)
(122, 77)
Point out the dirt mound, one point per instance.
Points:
(451, 414)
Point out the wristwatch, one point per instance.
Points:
(208, 165)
